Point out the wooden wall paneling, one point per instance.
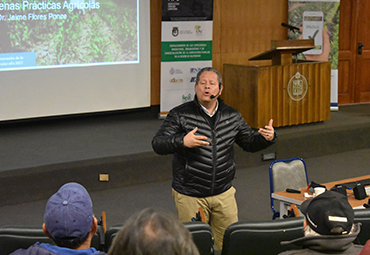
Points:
(305, 113)
(247, 28)
(155, 80)
(284, 102)
(322, 93)
(264, 98)
(278, 109)
(346, 58)
(239, 90)
(234, 22)
(344, 74)
(302, 106)
(345, 27)
(363, 84)
(295, 106)
(313, 79)
(216, 41)
(155, 51)
(325, 79)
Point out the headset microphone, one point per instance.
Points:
(219, 90)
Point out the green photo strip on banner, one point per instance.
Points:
(186, 47)
(318, 20)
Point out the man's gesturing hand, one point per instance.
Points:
(191, 140)
(268, 131)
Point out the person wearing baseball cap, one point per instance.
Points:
(69, 221)
(328, 226)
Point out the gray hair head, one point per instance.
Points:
(209, 69)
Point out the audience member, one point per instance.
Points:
(69, 221)
(329, 227)
(153, 232)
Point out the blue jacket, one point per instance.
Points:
(48, 249)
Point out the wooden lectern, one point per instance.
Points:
(290, 93)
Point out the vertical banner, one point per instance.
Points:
(186, 48)
(318, 20)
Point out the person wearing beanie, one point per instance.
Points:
(328, 226)
(69, 221)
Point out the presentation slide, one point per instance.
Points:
(74, 56)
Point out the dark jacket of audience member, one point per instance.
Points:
(153, 232)
(329, 227)
(69, 221)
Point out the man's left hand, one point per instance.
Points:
(268, 132)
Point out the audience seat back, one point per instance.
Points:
(363, 216)
(110, 235)
(16, 237)
(21, 237)
(261, 237)
(200, 231)
(202, 236)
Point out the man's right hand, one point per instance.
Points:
(191, 140)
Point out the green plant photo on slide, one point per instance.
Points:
(65, 32)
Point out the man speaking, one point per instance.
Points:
(200, 134)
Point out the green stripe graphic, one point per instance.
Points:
(186, 51)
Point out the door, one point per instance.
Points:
(354, 52)
(362, 85)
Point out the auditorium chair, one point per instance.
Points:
(261, 237)
(363, 216)
(286, 173)
(201, 233)
(16, 237)
(110, 234)
(202, 236)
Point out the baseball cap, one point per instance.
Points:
(69, 213)
(329, 213)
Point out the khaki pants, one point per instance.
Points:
(220, 211)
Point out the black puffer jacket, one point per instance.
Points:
(209, 170)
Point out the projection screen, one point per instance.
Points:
(74, 56)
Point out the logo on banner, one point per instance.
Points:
(195, 70)
(193, 79)
(198, 31)
(186, 98)
(297, 87)
(174, 80)
(175, 71)
(175, 31)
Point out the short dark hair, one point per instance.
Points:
(153, 232)
(209, 69)
(71, 243)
